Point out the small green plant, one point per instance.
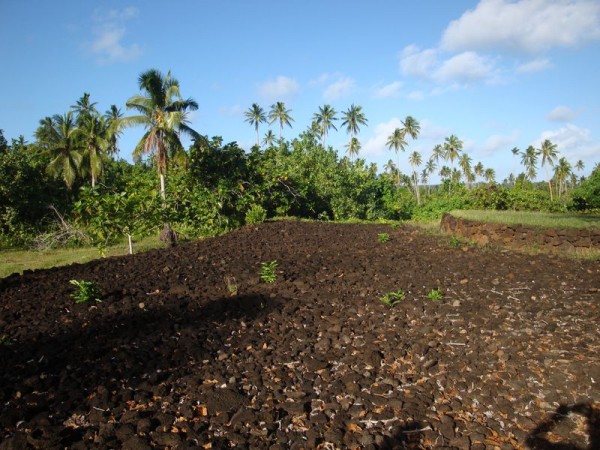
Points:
(5, 340)
(86, 291)
(232, 286)
(435, 294)
(383, 237)
(393, 298)
(455, 242)
(256, 214)
(268, 272)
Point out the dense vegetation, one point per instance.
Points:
(67, 188)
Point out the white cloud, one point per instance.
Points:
(109, 32)
(338, 89)
(525, 25)
(462, 69)
(561, 114)
(337, 85)
(499, 142)
(571, 141)
(416, 95)
(376, 144)
(535, 65)
(466, 68)
(432, 132)
(391, 90)
(280, 88)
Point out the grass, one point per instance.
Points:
(535, 219)
(16, 261)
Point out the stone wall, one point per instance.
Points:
(521, 236)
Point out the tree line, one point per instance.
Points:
(68, 182)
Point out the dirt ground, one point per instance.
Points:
(189, 349)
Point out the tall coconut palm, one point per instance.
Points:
(94, 140)
(280, 114)
(415, 161)
(390, 168)
(490, 175)
(396, 142)
(255, 116)
(269, 138)
(115, 128)
(452, 148)
(353, 148)
(579, 165)
(437, 153)
(324, 120)
(352, 119)
(549, 153)
(83, 108)
(411, 127)
(478, 170)
(562, 172)
(464, 161)
(529, 160)
(57, 136)
(164, 114)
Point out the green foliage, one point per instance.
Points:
(435, 294)
(455, 242)
(268, 271)
(586, 196)
(383, 237)
(256, 214)
(489, 197)
(392, 299)
(86, 291)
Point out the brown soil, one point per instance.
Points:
(509, 358)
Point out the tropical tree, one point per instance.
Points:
(390, 168)
(255, 116)
(549, 153)
(438, 152)
(268, 139)
(579, 165)
(464, 161)
(529, 160)
(94, 141)
(452, 148)
(324, 121)
(352, 119)
(415, 161)
(164, 114)
(57, 136)
(562, 171)
(478, 170)
(396, 142)
(280, 114)
(83, 108)
(353, 147)
(411, 127)
(489, 175)
(115, 128)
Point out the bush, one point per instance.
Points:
(256, 214)
(587, 195)
(490, 197)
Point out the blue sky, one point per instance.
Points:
(497, 73)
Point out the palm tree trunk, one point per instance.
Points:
(162, 186)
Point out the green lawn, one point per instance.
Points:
(12, 261)
(536, 219)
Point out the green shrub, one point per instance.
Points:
(86, 291)
(383, 237)
(256, 214)
(268, 271)
(587, 195)
(391, 299)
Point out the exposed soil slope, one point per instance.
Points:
(170, 359)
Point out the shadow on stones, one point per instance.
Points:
(538, 440)
(407, 437)
(121, 358)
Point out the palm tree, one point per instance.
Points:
(390, 168)
(324, 120)
(445, 172)
(57, 136)
(562, 171)
(529, 161)
(83, 108)
(94, 140)
(415, 161)
(255, 116)
(490, 175)
(115, 127)
(396, 142)
(268, 139)
(280, 114)
(549, 154)
(478, 170)
(464, 162)
(353, 147)
(352, 120)
(411, 127)
(164, 114)
(438, 152)
(579, 165)
(452, 148)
